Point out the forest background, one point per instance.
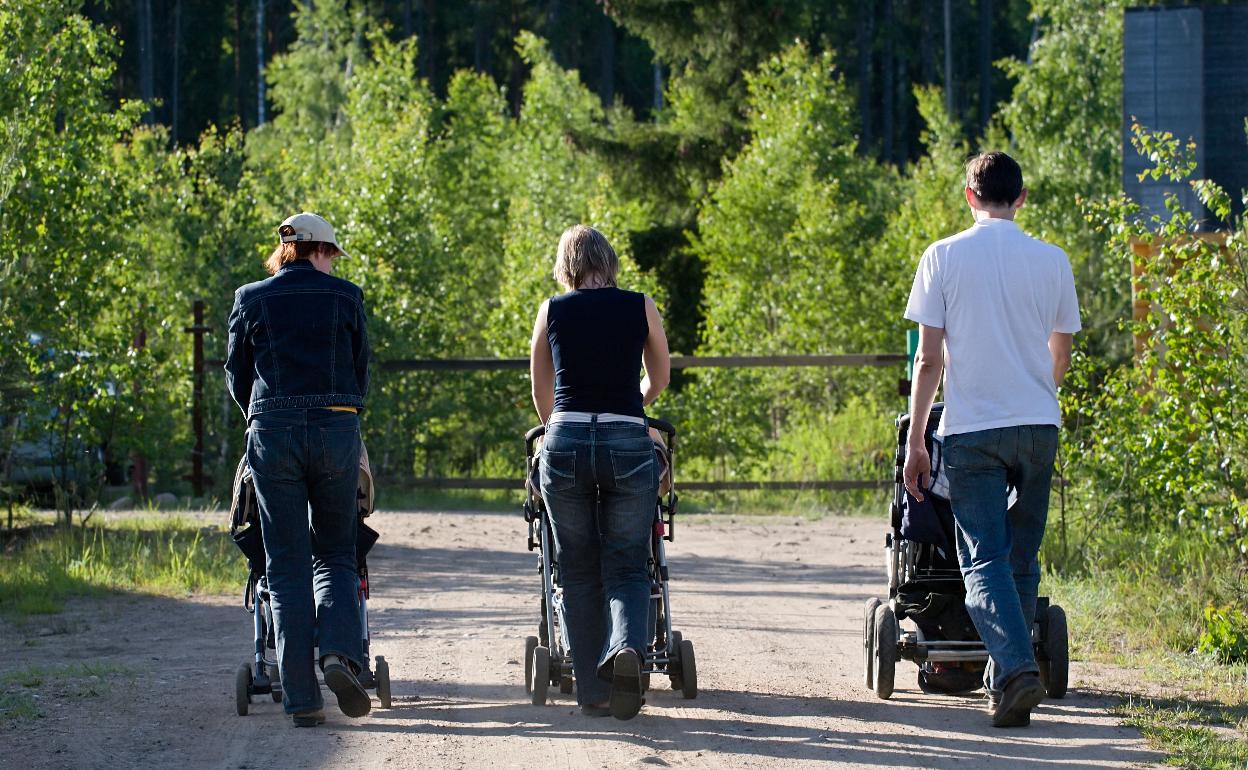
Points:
(769, 171)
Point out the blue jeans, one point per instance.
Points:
(998, 549)
(306, 468)
(600, 484)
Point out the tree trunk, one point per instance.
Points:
(238, 61)
(176, 86)
(407, 19)
(482, 26)
(949, 57)
(659, 98)
(147, 69)
(866, 35)
(260, 39)
(901, 103)
(606, 49)
(888, 100)
(985, 62)
(427, 40)
(927, 47)
(553, 34)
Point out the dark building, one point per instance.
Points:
(1185, 70)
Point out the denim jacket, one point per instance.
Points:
(298, 340)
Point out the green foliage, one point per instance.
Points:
(1226, 634)
(781, 241)
(1162, 438)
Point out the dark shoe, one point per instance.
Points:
(308, 718)
(352, 698)
(1020, 695)
(595, 711)
(626, 685)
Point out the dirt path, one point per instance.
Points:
(773, 607)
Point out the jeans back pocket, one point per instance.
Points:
(270, 454)
(635, 471)
(558, 470)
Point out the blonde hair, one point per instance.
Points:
(289, 252)
(584, 253)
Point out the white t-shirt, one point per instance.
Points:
(998, 293)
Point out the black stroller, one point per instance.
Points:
(925, 587)
(260, 676)
(548, 656)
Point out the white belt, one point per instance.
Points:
(588, 417)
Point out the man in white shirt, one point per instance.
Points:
(997, 312)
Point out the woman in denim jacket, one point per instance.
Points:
(599, 477)
(297, 365)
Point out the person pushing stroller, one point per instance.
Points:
(297, 365)
(997, 312)
(599, 477)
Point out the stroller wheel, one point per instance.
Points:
(674, 666)
(1055, 669)
(565, 684)
(885, 650)
(381, 673)
(868, 639)
(541, 675)
(530, 644)
(688, 670)
(242, 688)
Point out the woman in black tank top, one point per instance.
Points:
(599, 476)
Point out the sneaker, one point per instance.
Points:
(352, 698)
(626, 685)
(308, 718)
(1019, 696)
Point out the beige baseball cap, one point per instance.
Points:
(311, 227)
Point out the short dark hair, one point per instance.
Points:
(995, 178)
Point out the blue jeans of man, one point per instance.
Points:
(306, 467)
(600, 484)
(998, 547)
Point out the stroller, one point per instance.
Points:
(260, 676)
(925, 587)
(548, 656)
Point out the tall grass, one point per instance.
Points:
(151, 555)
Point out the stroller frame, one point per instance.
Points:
(885, 641)
(260, 676)
(548, 655)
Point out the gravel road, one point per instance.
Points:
(772, 605)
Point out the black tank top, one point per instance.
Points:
(596, 337)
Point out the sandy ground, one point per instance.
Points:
(773, 607)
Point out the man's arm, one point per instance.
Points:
(929, 363)
(1060, 345)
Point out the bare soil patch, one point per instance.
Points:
(772, 605)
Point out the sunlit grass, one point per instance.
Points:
(150, 554)
(1196, 737)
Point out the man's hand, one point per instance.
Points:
(917, 472)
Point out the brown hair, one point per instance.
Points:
(289, 252)
(584, 253)
(995, 178)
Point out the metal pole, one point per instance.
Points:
(197, 397)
